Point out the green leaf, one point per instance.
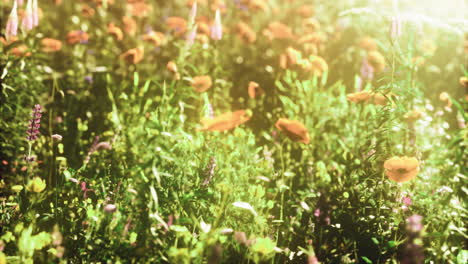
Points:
(367, 260)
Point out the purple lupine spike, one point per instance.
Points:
(191, 36)
(395, 30)
(34, 123)
(35, 13)
(12, 23)
(28, 20)
(193, 13)
(367, 72)
(217, 28)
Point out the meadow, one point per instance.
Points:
(243, 131)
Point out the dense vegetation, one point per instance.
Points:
(245, 131)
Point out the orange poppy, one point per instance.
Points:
(201, 83)
(130, 25)
(172, 67)
(178, 24)
(157, 38)
(294, 130)
(225, 121)
(77, 36)
(133, 56)
(245, 32)
(21, 51)
(255, 90)
(278, 30)
(114, 31)
(401, 169)
(317, 65)
(50, 45)
(376, 60)
(367, 97)
(289, 58)
(368, 44)
(140, 9)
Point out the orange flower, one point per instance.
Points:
(245, 32)
(178, 24)
(51, 45)
(21, 51)
(255, 90)
(140, 9)
(368, 44)
(133, 56)
(201, 83)
(114, 31)
(172, 67)
(77, 36)
(401, 169)
(289, 58)
(225, 121)
(367, 97)
(130, 25)
(317, 65)
(418, 61)
(277, 30)
(157, 38)
(293, 129)
(464, 81)
(376, 60)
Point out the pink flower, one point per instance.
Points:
(57, 137)
(317, 212)
(414, 224)
(28, 18)
(35, 13)
(193, 13)
(12, 23)
(110, 208)
(395, 30)
(191, 36)
(217, 28)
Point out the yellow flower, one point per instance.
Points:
(17, 188)
(36, 185)
(401, 169)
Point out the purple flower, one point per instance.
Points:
(367, 72)
(191, 36)
(12, 23)
(34, 123)
(193, 13)
(317, 212)
(395, 30)
(28, 19)
(89, 78)
(217, 28)
(35, 13)
(414, 224)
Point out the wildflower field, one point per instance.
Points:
(233, 131)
